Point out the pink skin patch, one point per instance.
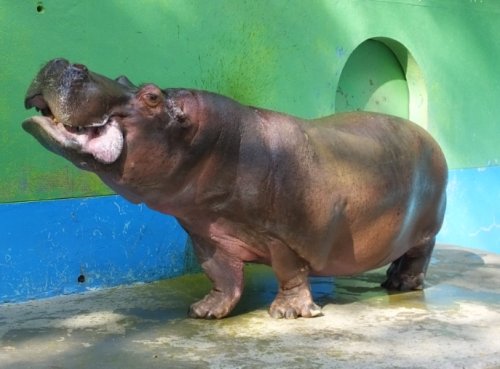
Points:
(103, 143)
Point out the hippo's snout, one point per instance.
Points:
(58, 76)
(78, 109)
(71, 94)
(55, 66)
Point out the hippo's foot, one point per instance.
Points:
(294, 297)
(398, 282)
(407, 273)
(295, 302)
(215, 305)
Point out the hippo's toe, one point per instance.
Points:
(215, 305)
(291, 304)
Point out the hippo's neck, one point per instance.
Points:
(252, 162)
(231, 164)
(181, 177)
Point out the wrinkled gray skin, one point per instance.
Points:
(337, 196)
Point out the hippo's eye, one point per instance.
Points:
(151, 99)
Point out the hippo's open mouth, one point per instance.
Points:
(78, 112)
(103, 140)
(42, 106)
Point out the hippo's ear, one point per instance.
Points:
(179, 105)
(183, 109)
(124, 81)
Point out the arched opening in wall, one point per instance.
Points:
(382, 76)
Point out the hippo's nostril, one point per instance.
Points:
(80, 67)
(76, 73)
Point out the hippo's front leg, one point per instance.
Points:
(226, 274)
(294, 298)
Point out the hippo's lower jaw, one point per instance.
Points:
(104, 142)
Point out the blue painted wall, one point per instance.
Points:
(47, 246)
(473, 210)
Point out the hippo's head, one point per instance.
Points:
(78, 108)
(136, 139)
(89, 119)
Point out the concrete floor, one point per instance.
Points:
(455, 323)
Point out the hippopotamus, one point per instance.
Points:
(333, 196)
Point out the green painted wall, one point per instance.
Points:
(284, 55)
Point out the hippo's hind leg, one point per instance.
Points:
(294, 297)
(408, 272)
